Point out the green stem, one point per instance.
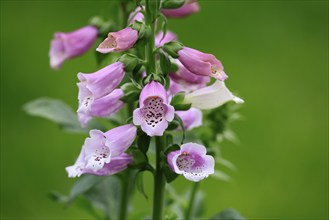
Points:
(188, 213)
(124, 195)
(149, 21)
(159, 181)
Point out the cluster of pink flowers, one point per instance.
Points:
(100, 95)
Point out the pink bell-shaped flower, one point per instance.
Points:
(119, 41)
(192, 162)
(68, 45)
(154, 112)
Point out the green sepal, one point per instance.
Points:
(172, 4)
(139, 181)
(144, 32)
(172, 48)
(168, 173)
(165, 63)
(182, 107)
(140, 159)
(171, 148)
(143, 142)
(130, 96)
(130, 61)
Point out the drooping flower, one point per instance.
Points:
(201, 63)
(154, 112)
(136, 15)
(119, 41)
(185, 81)
(160, 40)
(97, 94)
(191, 161)
(191, 118)
(103, 153)
(190, 7)
(101, 107)
(211, 96)
(68, 45)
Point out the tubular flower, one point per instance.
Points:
(119, 41)
(201, 63)
(191, 118)
(160, 40)
(186, 81)
(154, 112)
(190, 7)
(191, 161)
(97, 94)
(103, 153)
(68, 45)
(211, 96)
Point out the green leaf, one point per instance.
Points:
(83, 184)
(171, 148)
(56, 111)
(58, 197)
(180, 121)
(164, 26)
(221, 176)
(143, 142)
(178, 98)
(130, 61)
(165, 63)
(228, 214)
(182, 107)
(172, 48)
(140, 184)
(140, 158)
(169, 174)
(86, 205)
(105, 195)
(131, 96)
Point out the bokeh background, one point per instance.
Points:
(276, 54)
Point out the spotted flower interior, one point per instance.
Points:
(153, 111)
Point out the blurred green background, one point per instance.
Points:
(276, 56)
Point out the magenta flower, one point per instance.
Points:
(119, 41)
(97, 94)
(101, 107)
(190, 7)
(103, 153)
(68, 45)
(154, 112)
(160, 40)
(191, 118)
(202, 64)
(185, 81)
(136, 16)
(191, 161)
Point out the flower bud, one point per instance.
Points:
(190, 7)
(172, 4)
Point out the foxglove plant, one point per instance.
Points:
(153, 87)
